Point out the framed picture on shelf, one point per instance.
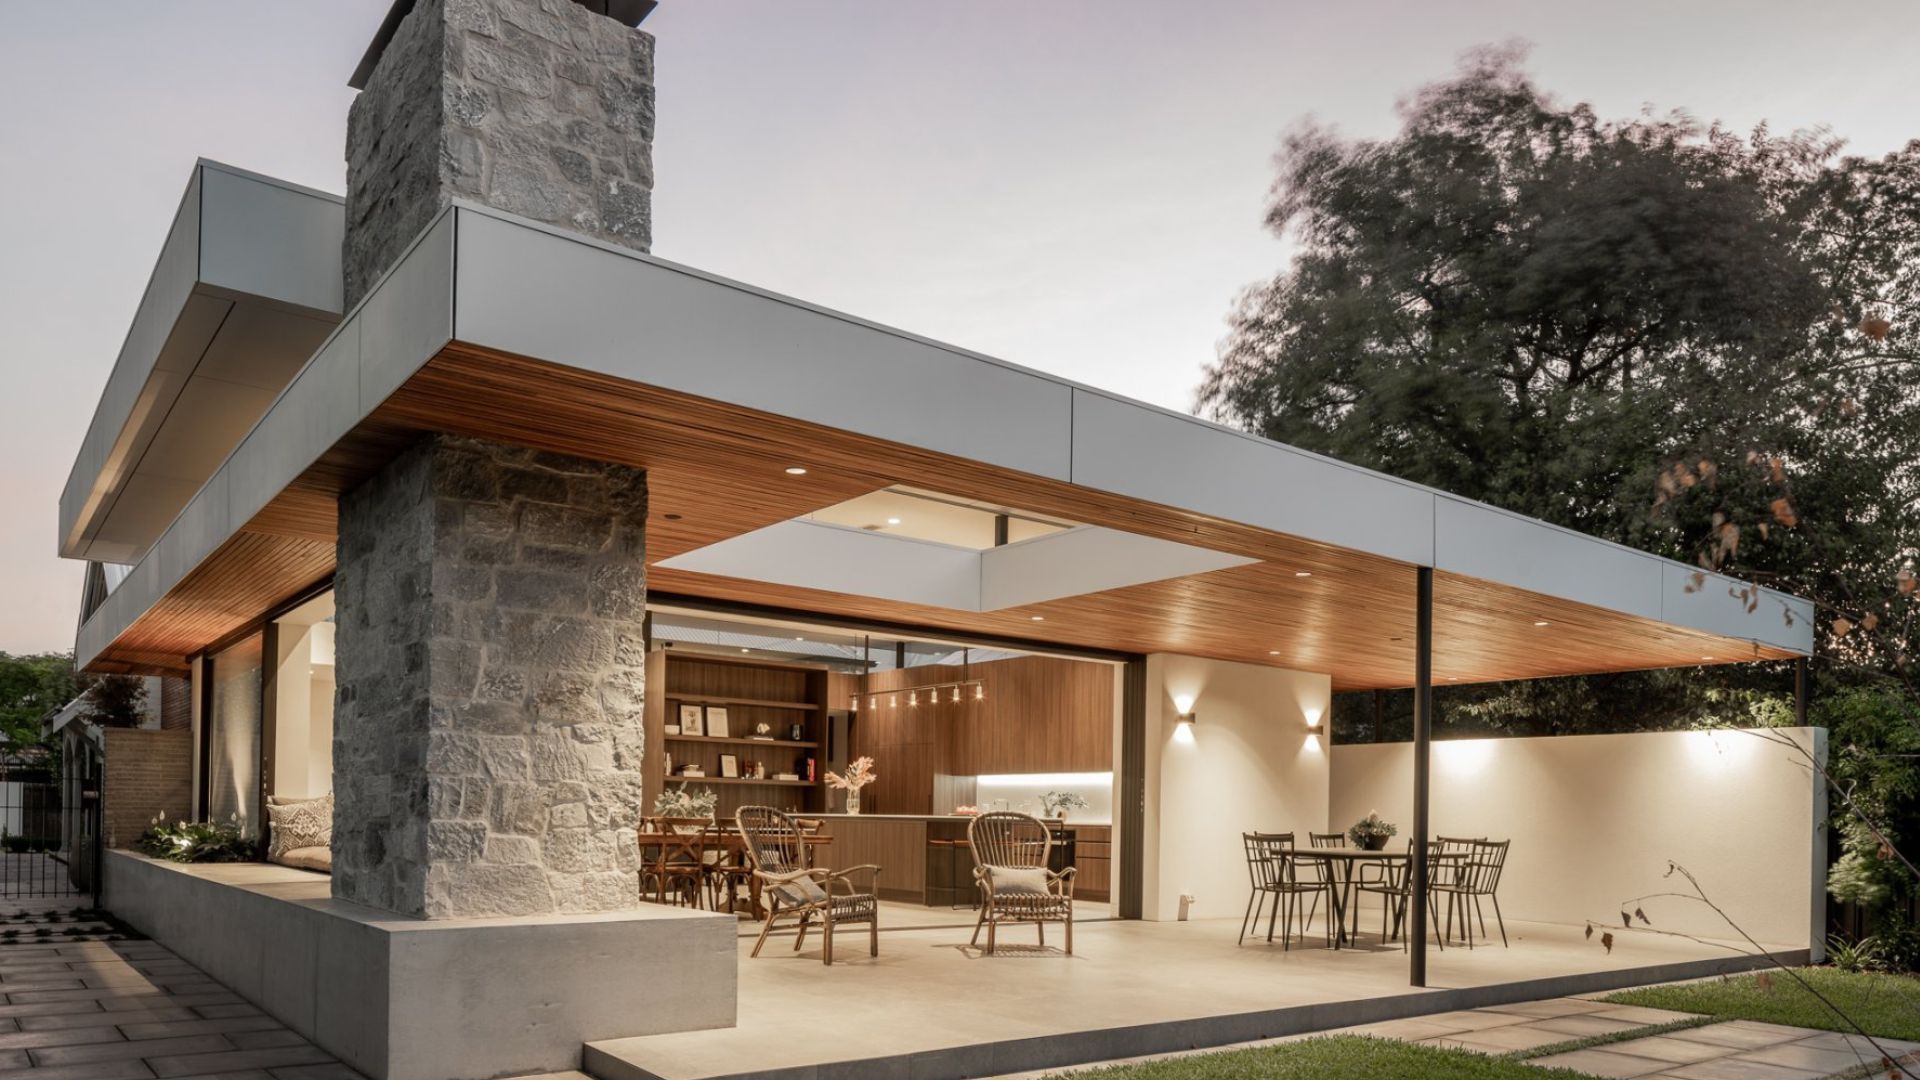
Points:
(729, 765)
(690, 722)
(716, 721)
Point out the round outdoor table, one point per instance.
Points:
(1348, 859)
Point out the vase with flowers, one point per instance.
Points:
(858, 775)
(1371, 832)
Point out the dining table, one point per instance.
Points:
(1347, 861)
(659, 846)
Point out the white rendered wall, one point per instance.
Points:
(1252, 765)
(1595, 819)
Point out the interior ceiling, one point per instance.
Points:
(718, 470)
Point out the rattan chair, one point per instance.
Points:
(1010, 853)
(1277, 869)
(1477, 876)
(793, 891)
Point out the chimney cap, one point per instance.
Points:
(628, 12)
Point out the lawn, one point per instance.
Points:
(1349, 1057)
(1884, 1005)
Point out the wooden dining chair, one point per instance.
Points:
(676, 861)
(1010, 868)
(795, 892)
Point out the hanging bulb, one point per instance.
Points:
(856, 703)
(979, 692)
(893, 702)
(913, 699)
(956, 695)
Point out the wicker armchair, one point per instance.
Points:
(795, 892)
(1010, 867)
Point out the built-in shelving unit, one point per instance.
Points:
(753, 692)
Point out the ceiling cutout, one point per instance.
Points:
(917, 548)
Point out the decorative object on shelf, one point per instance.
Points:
(808, 768)
(762, 731)
(795, 777)
(685, 802)
(717, 721)
(1055, 804)
(671, 729)
(692, 770)
(729, 766)
(759, 770)
(690, 722)
(797, 732)
(859, 775)
(1371, 832)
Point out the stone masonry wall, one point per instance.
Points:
(537, 107)
(490, 664)
(147, 772)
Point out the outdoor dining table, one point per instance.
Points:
(726, 841)
(1348, 860)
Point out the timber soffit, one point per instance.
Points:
(411, 313)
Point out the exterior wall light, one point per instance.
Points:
(1183, 727)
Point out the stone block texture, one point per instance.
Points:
(490, 658)
(541, 108)
(146, 772)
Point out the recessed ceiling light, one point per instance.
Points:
(746, 650)
(1038, 618)
(1706, 658)
(1303, 573)
(1273, 652)
(893, 521)
(795, 470)
(1541, 622)
(797, 637)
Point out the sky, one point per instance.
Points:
(1072, 185)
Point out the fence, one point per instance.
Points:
(49, 831)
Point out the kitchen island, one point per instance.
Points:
(924, 859)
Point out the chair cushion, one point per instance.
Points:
(800, 891)
(307, 823)
(1018, 880)
(307, 858)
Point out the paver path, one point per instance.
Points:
(130, 1010)
(1731, 1050)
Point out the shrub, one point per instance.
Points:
(197, 841)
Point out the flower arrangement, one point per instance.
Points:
(859, 775)
(1371, 832)
(685, 802)
(1057, 803)
(196, 841)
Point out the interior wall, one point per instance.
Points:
(1595, 819)
(303, 711)
(1252, 764)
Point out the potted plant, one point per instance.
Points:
(1371, 832)
(1055, 804)
(859, 775)
(685, 802)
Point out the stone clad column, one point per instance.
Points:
(490, 664)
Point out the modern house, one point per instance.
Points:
(457, 506)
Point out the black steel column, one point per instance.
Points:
(1802, 691)
(1422, 746)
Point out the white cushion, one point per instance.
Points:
(307, 823)
(1018, 880)
(308, 858)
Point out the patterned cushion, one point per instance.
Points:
(304, 824)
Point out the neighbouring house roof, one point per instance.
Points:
(497, 327)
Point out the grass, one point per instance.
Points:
(1349, 1057)
(1588, 1042)
(1887, 1006)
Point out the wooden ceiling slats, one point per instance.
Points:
(717, 470)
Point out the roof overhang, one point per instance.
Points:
(529, 335)
(246, 287)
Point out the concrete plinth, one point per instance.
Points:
(441, 999)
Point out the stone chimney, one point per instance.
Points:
(542, 108)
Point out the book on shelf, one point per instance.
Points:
(786, 776)
(693, 770)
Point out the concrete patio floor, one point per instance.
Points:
(931, 1007)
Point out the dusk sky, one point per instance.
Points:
(1072, 185)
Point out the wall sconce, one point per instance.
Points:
(1183, 727)
(1313, 721)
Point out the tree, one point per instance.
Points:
(1650, 330)
(31, 686)
(115, 700)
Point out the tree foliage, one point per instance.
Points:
(1652, 330)
(31, 686)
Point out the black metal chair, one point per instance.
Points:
(1276, 869)
(1477, 876)
(1327, 839)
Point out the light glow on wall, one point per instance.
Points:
(1463, 757)
(1718, 749)
(1183, 734)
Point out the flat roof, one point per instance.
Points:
(532, 335)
